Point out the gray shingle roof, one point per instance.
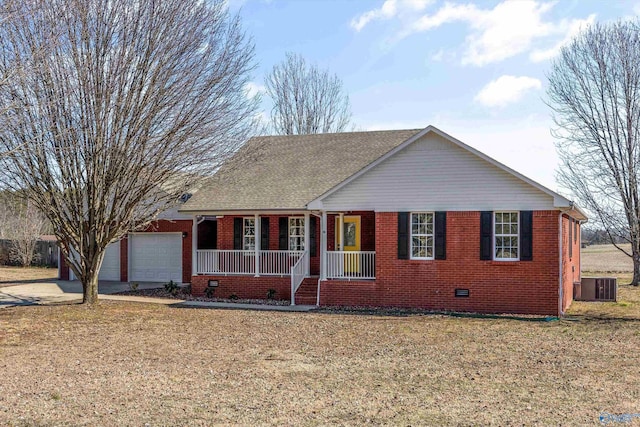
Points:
(287, 172)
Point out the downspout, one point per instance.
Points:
(560, 246)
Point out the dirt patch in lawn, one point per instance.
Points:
(10, 276)
(137, 364)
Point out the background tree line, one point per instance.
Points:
(21, 227)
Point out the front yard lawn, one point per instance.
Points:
(10, 276)
(132, 364)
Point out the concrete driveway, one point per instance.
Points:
(62, 291)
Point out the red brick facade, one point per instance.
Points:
(244, 286)
(570, 259)
(527, 287)
(162, 226)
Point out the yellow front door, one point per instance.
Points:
(350, 242)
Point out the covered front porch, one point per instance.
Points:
(292, 247)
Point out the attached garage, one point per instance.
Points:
(110, 269)
(155, 257)
(159, 254)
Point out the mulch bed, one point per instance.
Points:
(185, 294)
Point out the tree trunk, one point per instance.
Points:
(636, 269)
(90, 290)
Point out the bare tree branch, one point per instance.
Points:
(594, 92)
(110, 111)
(306, 100)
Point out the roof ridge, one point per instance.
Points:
(316, 135)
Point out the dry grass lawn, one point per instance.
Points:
(605, 259)
(142, 364)
(136, 364)
(17, 275)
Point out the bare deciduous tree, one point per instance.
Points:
(306, 100)
(28, 226)
(594, 92)
(111, 110)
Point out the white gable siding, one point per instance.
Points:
(435, 174)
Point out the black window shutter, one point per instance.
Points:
(237, 233)
(264, 233)
(526, 235)
(441, 235)
(313, 250)
(486, 235)
(403, 235)
(570, 237)
(575, 231)
(283, 234)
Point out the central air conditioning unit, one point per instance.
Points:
(596, 289)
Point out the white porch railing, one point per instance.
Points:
(298, 273)
(213, 261)
(279, 263)
(228, 262)
(351, 265)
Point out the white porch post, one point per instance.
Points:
(307, 242)
(341, 232)
(194, 246)
(258, 238)
(323, 247)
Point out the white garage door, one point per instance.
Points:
(155, 257)
(110, 269)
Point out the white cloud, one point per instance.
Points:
(505, 31)
(388, 10)
(570, 28)
(252, 89)
(508, 29)
(496, 34)
(506, 90)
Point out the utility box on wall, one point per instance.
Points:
(596, 289)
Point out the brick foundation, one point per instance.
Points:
(244, 286)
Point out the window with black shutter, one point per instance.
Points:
(313, 250)
(441, 235)
(486, 235)
(283, 233)
(264, 233)
(526, 235)
(403, 235)
(237, 233)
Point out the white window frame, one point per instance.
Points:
(245, 246)
(496, 235)
(300, 227)
(427, 235)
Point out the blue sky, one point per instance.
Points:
(476, 70)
